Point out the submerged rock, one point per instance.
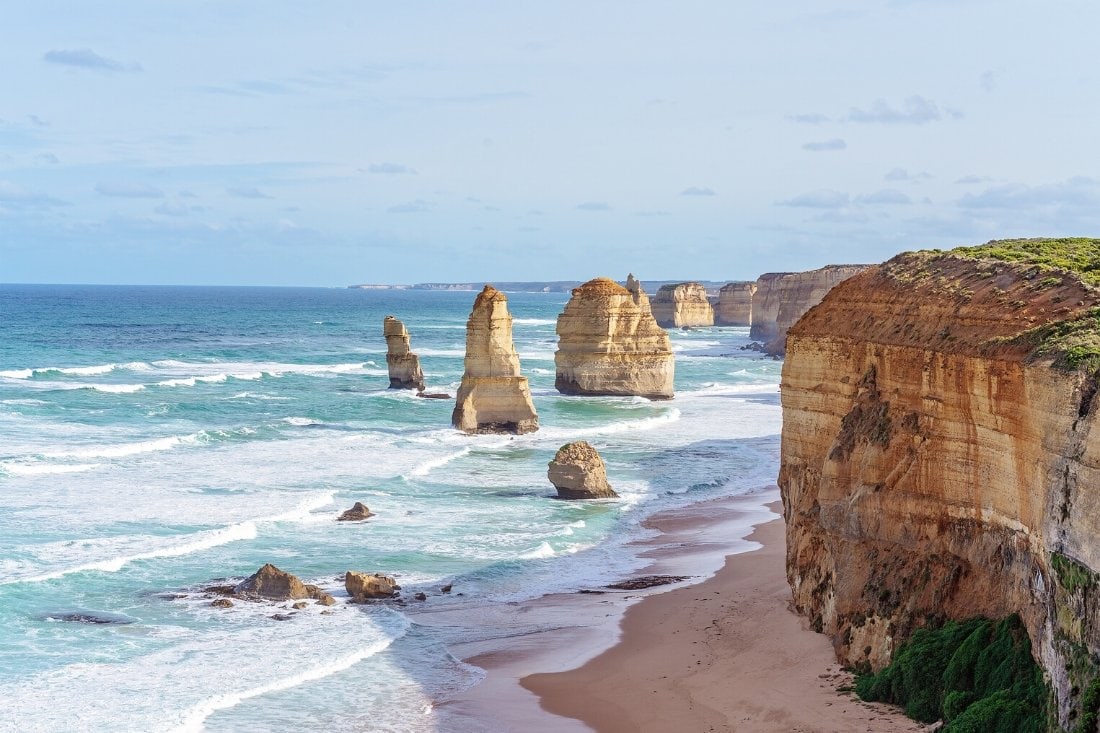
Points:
(89, 617)
(272, 584)
(222, 603)
(578, 472)
(369, 586)
(404, 366)
(610, 344)
(647, 581)
(493, 397)
(357, 513)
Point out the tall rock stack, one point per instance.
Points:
(404, 366)
(783, 297)
(493, 397)
(735, 304)
(683, 305)
(610, 344)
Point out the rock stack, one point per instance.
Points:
(683, 305)
(493, 397)
(735, 304)
(578, 472)
(610, 344)
(783, 297)
(404, 366)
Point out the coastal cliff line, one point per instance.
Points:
(937, 456)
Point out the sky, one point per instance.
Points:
(331, 143)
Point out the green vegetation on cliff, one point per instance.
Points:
(977, 675)
(1079, 255)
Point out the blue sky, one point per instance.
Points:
(342, 142)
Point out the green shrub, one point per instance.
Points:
(976, 675)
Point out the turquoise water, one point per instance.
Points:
(154, 440)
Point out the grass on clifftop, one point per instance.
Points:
(978, 676)
(1079, 255)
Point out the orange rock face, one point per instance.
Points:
(782, 297)
(735, 304)
(685, 304)
(934, 465)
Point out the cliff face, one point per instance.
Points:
(937, 463)
(782, 297)
(493, 397)
(609, 343)
(404, 366)
(735, 304)
(683, 304)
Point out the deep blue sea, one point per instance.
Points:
(154, 440)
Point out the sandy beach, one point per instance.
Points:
(725, 654)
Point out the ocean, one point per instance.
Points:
(157, 440)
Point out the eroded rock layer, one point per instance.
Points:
(782, 297)
(735, 304)
(682, 305)
(610, 344)
(578, 472)
(937, 459)
(404, 366)
(493, 396)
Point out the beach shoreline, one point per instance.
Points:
(719, 652)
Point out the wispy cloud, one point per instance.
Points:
(129, 190)
(885, 196)
(248, 192)
(593, 206)
(902, 175)
(418, 206)
(989, 79)
(825, 145)
(390, 169)
(13, 196)
(809, 118)
(915, 110)
(86, 58)
(697, 191)
(821, 199)
(974, 179)
(1076, 193)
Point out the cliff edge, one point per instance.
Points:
(937, 455)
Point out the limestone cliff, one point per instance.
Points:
(937, 459)
(782, 297)
(682, 304)
(735, 304)
(404, 366)
(610, 344)
(493, 397)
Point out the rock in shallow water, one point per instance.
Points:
(369, 586)
(271, 583)
(89, 617)
(578, 472)
(357, 513)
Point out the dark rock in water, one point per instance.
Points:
(368, 586)
(89, 617)
(592, 592)
(280, 617)
(221, 603)
(271, 583)
(434, 396)
(647, 581)
(421, 597)
(220, 590)
(446, 588)
(357, 513)
(300, 605)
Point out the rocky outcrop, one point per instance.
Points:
(735, 304)
(937, 459)
(364, 587)
(682, 305)
(357, 513)
(610, 344)
(493, 396)
(782, 297)
(272, 584)
(404, 366)
(578, 472)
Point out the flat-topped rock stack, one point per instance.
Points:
(610, 344)
(735, 304)
(683, 305)
(493, 397)
(404, 366)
